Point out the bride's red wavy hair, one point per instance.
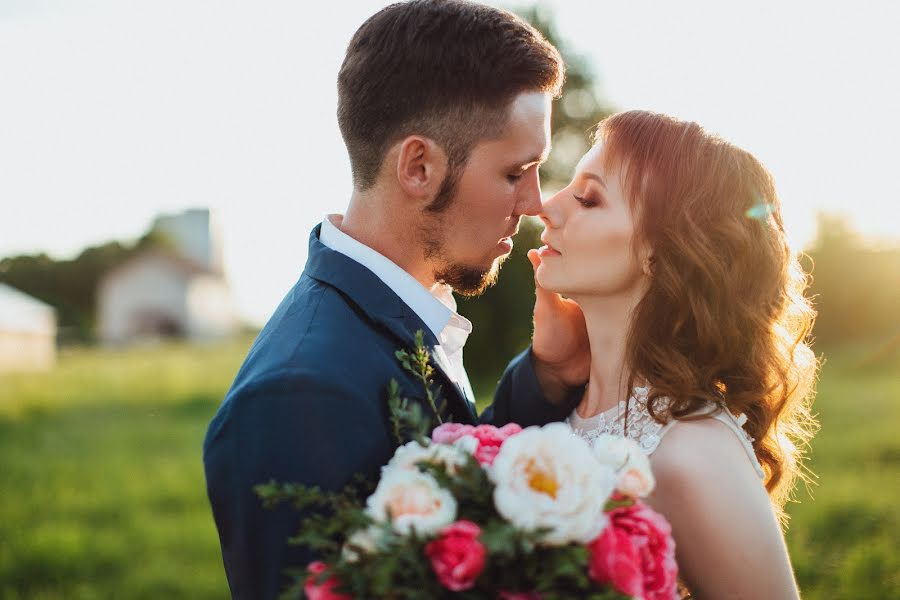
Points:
(725, 318)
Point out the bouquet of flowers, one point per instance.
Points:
(484, 512)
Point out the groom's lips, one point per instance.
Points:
(506, 243)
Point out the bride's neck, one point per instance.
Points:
(607, 321)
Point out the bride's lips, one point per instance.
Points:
(548, 250)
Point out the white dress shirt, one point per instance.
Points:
(436, 307)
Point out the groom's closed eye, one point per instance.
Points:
(517, 171)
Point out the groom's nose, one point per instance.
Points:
(529, 202)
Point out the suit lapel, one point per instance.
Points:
(440, 364)
(383, 306)
(405, 329)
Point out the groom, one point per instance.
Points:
(445, 110)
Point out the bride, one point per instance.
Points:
(671, 242)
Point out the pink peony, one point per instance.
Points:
(486, 454)
(324, 591)
(490, 439)
(493, 436)
(636, 553)
(457, 556)
(450, 432)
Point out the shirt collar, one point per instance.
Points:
(437, 307)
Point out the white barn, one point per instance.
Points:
(159, 293)
(27, 332)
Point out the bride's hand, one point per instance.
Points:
(562, 354)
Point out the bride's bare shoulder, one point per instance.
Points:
(709, 491)
(728, 543)
(701, 454)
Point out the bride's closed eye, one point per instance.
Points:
(585, 202)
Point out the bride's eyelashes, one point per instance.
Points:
(585, 202)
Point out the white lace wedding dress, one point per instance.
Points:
(646, 431)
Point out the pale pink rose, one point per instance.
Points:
(457, 556)
(635, 482)
(635, 479)
(324, 591)
(448, 433)
(636, 553)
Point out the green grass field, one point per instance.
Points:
(102, 492)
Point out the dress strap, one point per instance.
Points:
(736, 425)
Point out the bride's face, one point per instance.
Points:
(589, 236)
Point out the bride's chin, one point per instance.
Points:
(547, 283)
(554, 284)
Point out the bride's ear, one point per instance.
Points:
(421, 167)
(647, 265)
(647, 261)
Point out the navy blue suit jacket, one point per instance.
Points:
(309, 405)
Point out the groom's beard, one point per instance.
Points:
(465, 279)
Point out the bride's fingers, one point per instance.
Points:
(534, 258)
(543, 295)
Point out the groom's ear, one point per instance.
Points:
(421, 167)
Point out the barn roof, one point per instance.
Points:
(170, 257)
(21, 312)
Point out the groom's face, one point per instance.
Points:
(467, 242)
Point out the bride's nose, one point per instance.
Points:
(551, 213)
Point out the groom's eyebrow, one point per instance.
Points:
(534, 160)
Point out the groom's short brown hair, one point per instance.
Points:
(445, 69)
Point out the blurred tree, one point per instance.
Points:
(855, 287)
(502, 316)
(576, 113)
(70, 286)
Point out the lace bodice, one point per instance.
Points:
(646, 431)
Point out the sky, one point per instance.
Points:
(114, 111)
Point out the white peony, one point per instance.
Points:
(467, 443)
(547, 477)
(411, 500)
(412, 453)
(633, 475)
(365, 540)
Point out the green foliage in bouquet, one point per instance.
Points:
(408, 422)
(337, 510)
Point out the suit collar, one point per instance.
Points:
(436, 310)
(379, 303)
